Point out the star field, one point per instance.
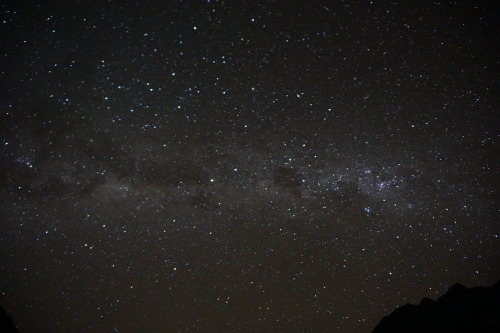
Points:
(224, 166)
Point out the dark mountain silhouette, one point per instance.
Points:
(459, 310)
(6, 323)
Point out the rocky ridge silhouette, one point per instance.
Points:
(460, 309)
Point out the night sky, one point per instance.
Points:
(254, 165)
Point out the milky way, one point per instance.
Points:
(260, 166)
